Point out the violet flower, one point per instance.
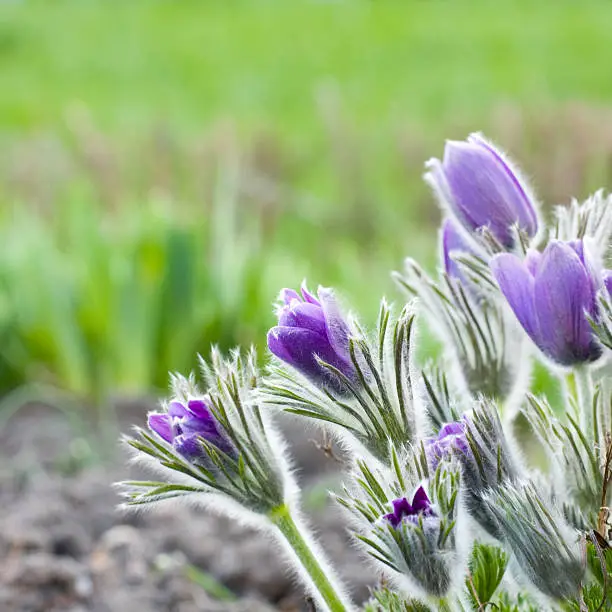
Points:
(310, 328)
(482, 189)
(403, 509)
(551, 294)
(450, 439)
(183, 426)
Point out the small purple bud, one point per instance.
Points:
(184, 425)
(403, 509)
(450, 440)
(309, 328)
(482, 189)
(551, 293)
(455, 242)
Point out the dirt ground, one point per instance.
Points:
(65, 547)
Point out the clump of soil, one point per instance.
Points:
(64, 546)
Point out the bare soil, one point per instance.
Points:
(64, 546)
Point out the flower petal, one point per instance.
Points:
(526, 214)
(159, 422)
(308, 297)
(517, 284)
(300, 348)
(177, 410)
(420, 501)
(198, 408)
(485, 192)
(288, 295)
(304, 315)
(338, 332)
(563, 291)
(454, 242)
(607, 280)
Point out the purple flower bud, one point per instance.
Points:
(184, 425)
(454, 242)
(482, 189)
(551, 293)
(403, 509)
(309, 328)
(450, 439)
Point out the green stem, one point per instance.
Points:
(448, 605)
(584, 399)
(319, 577)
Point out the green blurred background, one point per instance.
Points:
(166, 167)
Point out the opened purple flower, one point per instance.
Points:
(450, 439)
(309, 328)
(184, 425)
(482, 189)
(403, 509)
(551, 293)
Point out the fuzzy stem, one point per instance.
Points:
(448, 604)
(327, 593)
(584, 398)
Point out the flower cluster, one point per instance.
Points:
(440, 489)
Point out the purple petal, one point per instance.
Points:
(454, 241)
(451, 429)
(563, 291)
(338, 332)
(189, 446)
(484, 194)
(299, 348)
(198, 408)
(304, 315)
(420, 501)
(288, 295)
(532, 261)
(607, 280)
(527, 217)
(308, 297)
(437, 180)
(159, 422)
(518, 285)
(401, 506)
(276, 344)
(177, 410)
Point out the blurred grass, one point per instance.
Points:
(165, 167)
(131, 62)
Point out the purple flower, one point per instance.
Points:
(450, 439)
(184, 425)
(403, 509)
(550, 294)
(482, 189)
(309, 328)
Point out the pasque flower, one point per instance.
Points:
(184, 425)
(404, 510)
(551, 294)
(454, 242)
(482, 189)
(311, 329)
(450, 439)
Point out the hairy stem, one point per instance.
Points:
(584, 399)
(449, 604)
(328, 594)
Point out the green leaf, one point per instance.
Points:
(487, 567)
